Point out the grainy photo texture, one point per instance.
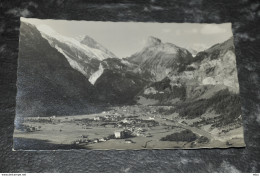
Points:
(126, 85)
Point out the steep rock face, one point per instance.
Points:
(83, 54)
(214, 66)
(156, 60)
(218, 66)
(47, 84)
(202, 77)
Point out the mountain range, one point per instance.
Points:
(64, 75)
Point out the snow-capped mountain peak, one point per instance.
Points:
(87, 40)
(81, 52)
(91, 52)
(90, 42)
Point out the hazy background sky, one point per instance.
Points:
(126, 38)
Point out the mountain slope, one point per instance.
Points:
(47, 85)
(163, 92)
(116, 84)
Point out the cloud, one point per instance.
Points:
(192, 31)
(166, 30)
(212, 29)
(199, 46)
(177, 32)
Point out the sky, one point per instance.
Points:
(127, 38)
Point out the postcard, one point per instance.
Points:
(126, 86)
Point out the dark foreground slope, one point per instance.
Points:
(47, 84)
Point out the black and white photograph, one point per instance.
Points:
(126, 86)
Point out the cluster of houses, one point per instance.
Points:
(89, 141)
(30, 128)
(118, 134)
(112, 117)
(129, 122)
(51, 119)
(125, 127)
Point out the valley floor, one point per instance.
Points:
(126, 127)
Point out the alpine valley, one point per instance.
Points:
(162, 96)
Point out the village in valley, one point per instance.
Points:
(132, 127)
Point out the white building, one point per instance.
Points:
(119, 134)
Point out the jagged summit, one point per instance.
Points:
(157, 59)
(90, 42)
(87, 40)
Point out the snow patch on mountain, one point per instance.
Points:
(126, 62)
(93, 78)
(150, 90)
(192, 51)
(209, 80)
